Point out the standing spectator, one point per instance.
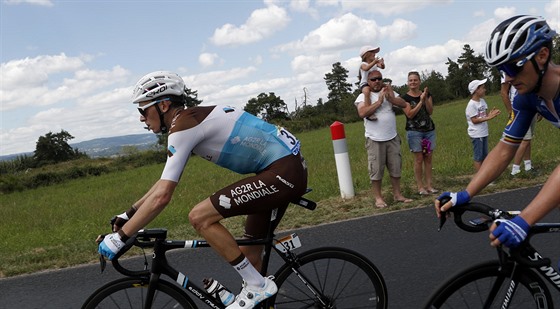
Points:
(420, 132)
(383, 144)
(477, 116)
(370, 62)
(508, 92)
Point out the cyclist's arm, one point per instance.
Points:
(547, 199)
(154, 202)
(493, 166)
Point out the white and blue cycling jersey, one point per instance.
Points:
(525, 107)
(228, 137)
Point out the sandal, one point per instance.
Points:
(404, 200)
(433, 191)
(423, 192)
(381, 205)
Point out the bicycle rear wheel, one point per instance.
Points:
(131, 293)
(341, 278)
(472, 288)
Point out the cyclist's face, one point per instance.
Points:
(524, 78)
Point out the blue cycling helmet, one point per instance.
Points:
(516, 37)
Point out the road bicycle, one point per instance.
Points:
(325, 277)
(515, 280)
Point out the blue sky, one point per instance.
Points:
(71, 65)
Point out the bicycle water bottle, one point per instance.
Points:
(218, 291)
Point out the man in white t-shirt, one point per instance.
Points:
(477, 116)
(383, 144)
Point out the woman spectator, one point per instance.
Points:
(420, 132)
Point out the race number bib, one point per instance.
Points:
(289, 140)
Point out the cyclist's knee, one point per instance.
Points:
(203, 215)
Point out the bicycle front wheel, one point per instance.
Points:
(330, 278)
(488, 285)
(131, 293)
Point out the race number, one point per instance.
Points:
(289, 140)
(289, 242)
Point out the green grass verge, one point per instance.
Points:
(55, 227)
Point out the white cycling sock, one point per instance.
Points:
(249, 273)
(515, 169)
(528, 165)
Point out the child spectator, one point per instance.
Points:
(370, 62)
(477, 116)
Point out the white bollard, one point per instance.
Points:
(342, 160)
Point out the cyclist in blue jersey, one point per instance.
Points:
(521, 47)
(232, 139)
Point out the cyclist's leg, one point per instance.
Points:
(256, 227)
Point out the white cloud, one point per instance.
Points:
(399, 30)
(33, 2)
(344, 32)
(479, 13)
(504, 13)
(36, 81)
(552, 10)
(261, 24)
(207, 59)
(390, 7)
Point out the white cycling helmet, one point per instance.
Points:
(157, 84)
(515, 37)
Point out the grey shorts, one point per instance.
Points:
(381, 154)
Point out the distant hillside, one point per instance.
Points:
(105, 147)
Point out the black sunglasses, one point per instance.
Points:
(142, 109)
(374, 79)
(514, 68)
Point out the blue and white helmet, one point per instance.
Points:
(516, 37)
(158, 84)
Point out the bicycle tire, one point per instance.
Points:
(131, 292)
(471, 288)
(344, 279)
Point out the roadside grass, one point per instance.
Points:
(55, 226)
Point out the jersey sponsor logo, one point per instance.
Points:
(225, 201)
(284, 181)
(171, 150)
(252, 191)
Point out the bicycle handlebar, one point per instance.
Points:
(142, 239)
(518, 254)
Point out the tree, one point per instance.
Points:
(267, 106)
(339, 87)
(192, 97)
(556, 49)
(437, 86)
(54, 148)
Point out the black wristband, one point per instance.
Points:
(131, 211)
(123, 236)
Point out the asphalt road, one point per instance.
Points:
(412, 255)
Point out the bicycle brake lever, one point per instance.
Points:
(102, 262)
(442, 219)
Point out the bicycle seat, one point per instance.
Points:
(305, 203)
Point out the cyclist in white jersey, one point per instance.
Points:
(232, 139)
(521, 47)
